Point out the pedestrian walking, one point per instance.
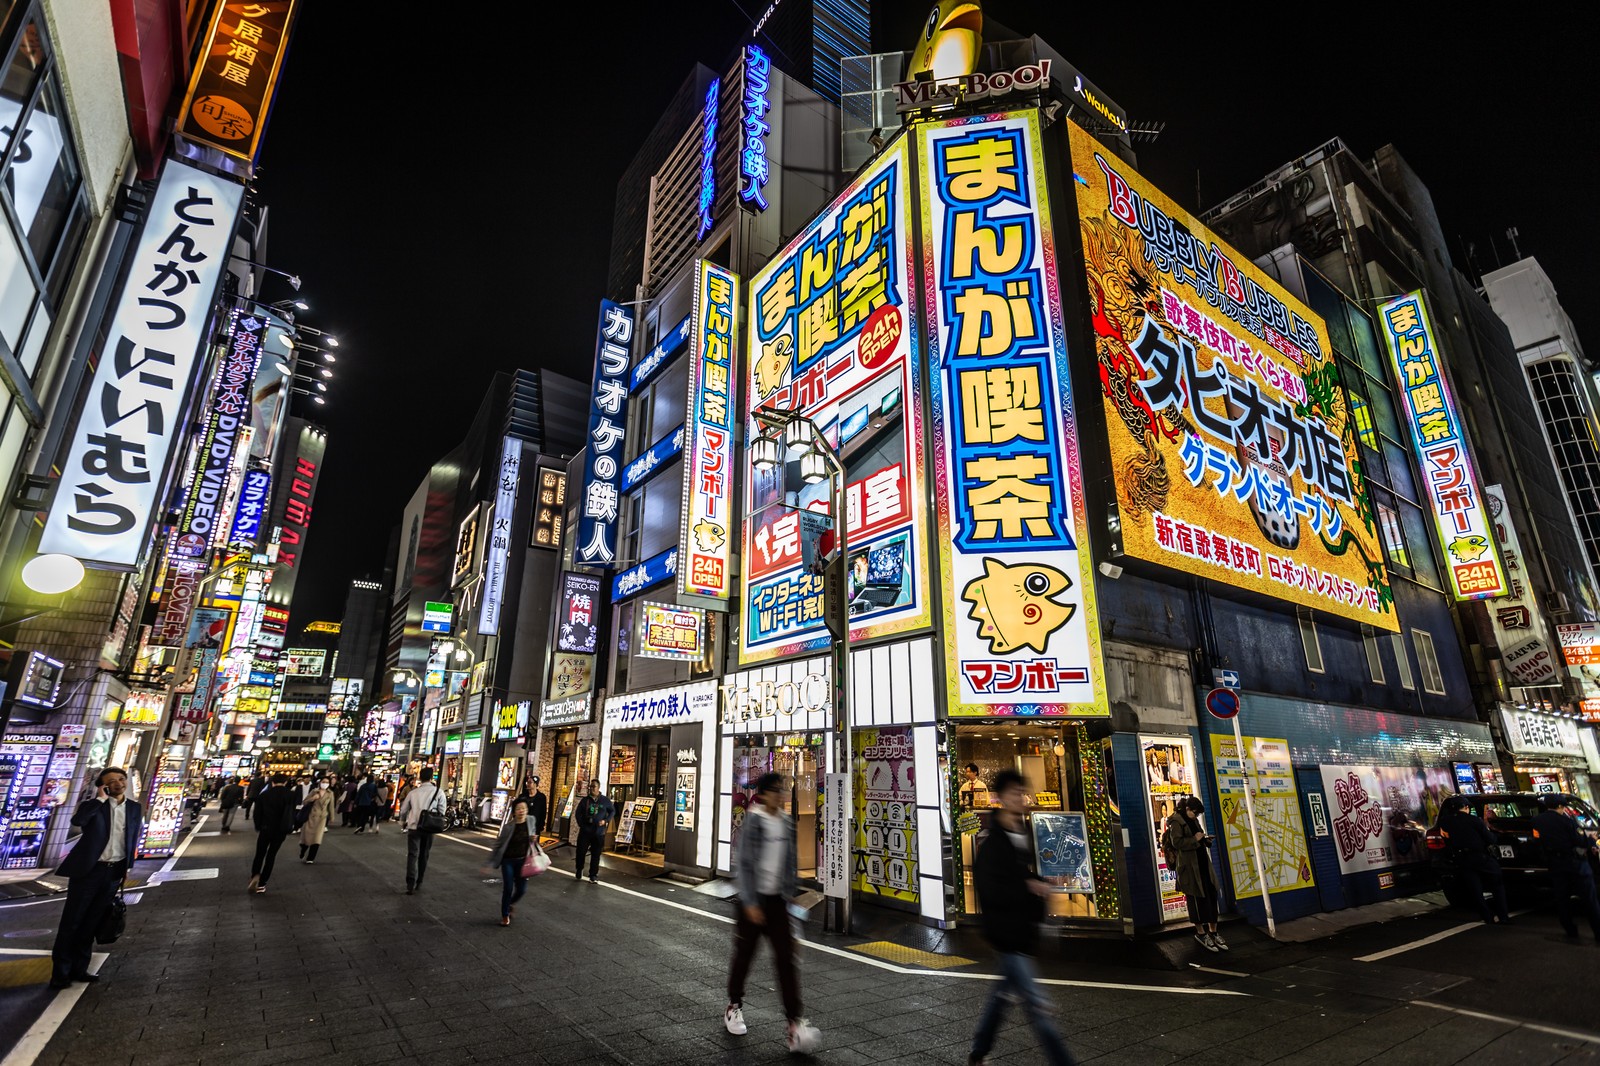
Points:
(347, 802)
(594, 815)
(366, 801)
(318, 815)
(229, 798)
(1569, 853)
(518, 839)
(94, 870)
(1187, 847)
(381, 808)
(407, 783)
(427, 796)
(535, 800)
(764, 878)
(1470, 848)
(257, 785)
(274, 818)
(1012, 898)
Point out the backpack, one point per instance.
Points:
(1169, 851)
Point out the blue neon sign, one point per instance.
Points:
(753, 159)
(670, 345)
(644, 466)
(648, 574)
(708, 154)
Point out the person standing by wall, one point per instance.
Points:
(594, 815)
(535, 800)
(231, 796)
(1568, 852)
(274, 817)
(1012, 898)
(94, 869)
(1196, 879)
(318, 809)
(764, 874)
(427, 796)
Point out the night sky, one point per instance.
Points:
(447, 196)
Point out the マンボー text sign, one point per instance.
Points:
(833, 336)
(1459, 514)
(1023, 635)
(141, 386)
(1231, 444)
(708, 471)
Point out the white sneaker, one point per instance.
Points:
(803, 1036)
(1216, 938)
(1206, 941)
(733, 1020)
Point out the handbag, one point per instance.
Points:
(115, 921)
(535, 862)
(431, 820)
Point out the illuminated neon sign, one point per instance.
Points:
(753, 159)
(1454, 492)
(708, 153)
(707, 480)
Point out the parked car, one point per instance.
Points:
(1508, 815)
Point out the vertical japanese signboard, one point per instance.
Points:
(1519, 627)
(230, 93)
(833, 336)
(1231, 445)
(708, 472)
(1459, 513)
(230, 414)
(498, 542)
(753, 168)
(602, 465)
(549, 509)
(1022, 633)
(578, 617)
(141, 386)
(255, 494)
(293, 512)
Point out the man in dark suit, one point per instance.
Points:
(274, 816)
(94, 869)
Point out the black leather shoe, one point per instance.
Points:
(86, 978)
(58, 985)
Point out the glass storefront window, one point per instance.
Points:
(802, 759)
(1043, 754)
(1169, 775)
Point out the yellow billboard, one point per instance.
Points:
(1232, 448)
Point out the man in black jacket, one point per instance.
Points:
(1568, 852)
(274, 818)
(95, 867)
(1470, 848)
(535, 801)
(1012, 898)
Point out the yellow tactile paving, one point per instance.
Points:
(17, 973)
(899, 953)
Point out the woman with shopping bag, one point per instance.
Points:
(517, 856)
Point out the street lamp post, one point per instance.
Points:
(782, 432)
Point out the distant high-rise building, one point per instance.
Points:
(808, 39)
(1559, 377)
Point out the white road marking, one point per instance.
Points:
(59, 897)
(40, 1032)
(1401, 949)
(880, 964)
(1567, 1034)
(1378, 956)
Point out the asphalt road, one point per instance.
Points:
(336, 964)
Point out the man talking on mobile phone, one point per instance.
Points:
(94, 869)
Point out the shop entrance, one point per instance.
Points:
(639, 769)
(1044, 753)
(801, 758)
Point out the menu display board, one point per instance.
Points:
(1169, 776)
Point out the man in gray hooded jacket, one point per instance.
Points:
(764, 873)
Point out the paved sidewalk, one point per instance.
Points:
(336, 964)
